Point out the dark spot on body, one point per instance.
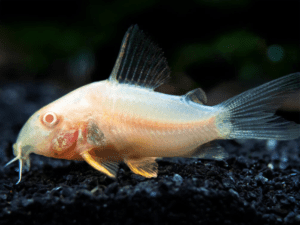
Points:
(94, 135)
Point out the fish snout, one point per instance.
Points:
(21, 154)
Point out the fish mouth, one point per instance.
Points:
(24, 160)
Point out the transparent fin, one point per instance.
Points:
(140, 62)
(210, 150)
(146, 167)
(251, 114)
(107, 167)
(197, 96)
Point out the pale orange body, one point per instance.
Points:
(124, 119)
(106, 123)
(130, 129)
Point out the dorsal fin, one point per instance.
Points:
(140, 62)
(197, 96)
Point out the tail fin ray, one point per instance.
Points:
(251, 114)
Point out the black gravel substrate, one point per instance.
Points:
(258, 184)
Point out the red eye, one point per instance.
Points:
(50, 118)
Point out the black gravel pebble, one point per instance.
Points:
(258, 184)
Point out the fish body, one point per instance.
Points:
(138, 121)
(124, 119)
(150, 124)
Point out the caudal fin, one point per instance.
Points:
(251, 113)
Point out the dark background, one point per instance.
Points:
(48, 48)
(223, 46)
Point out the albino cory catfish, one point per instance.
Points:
(124, 119)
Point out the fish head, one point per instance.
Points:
(48, 132)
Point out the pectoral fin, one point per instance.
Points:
(109, 168)
(146, 167)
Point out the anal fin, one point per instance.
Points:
(210, 150)
(146, 167)
(109, 168)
